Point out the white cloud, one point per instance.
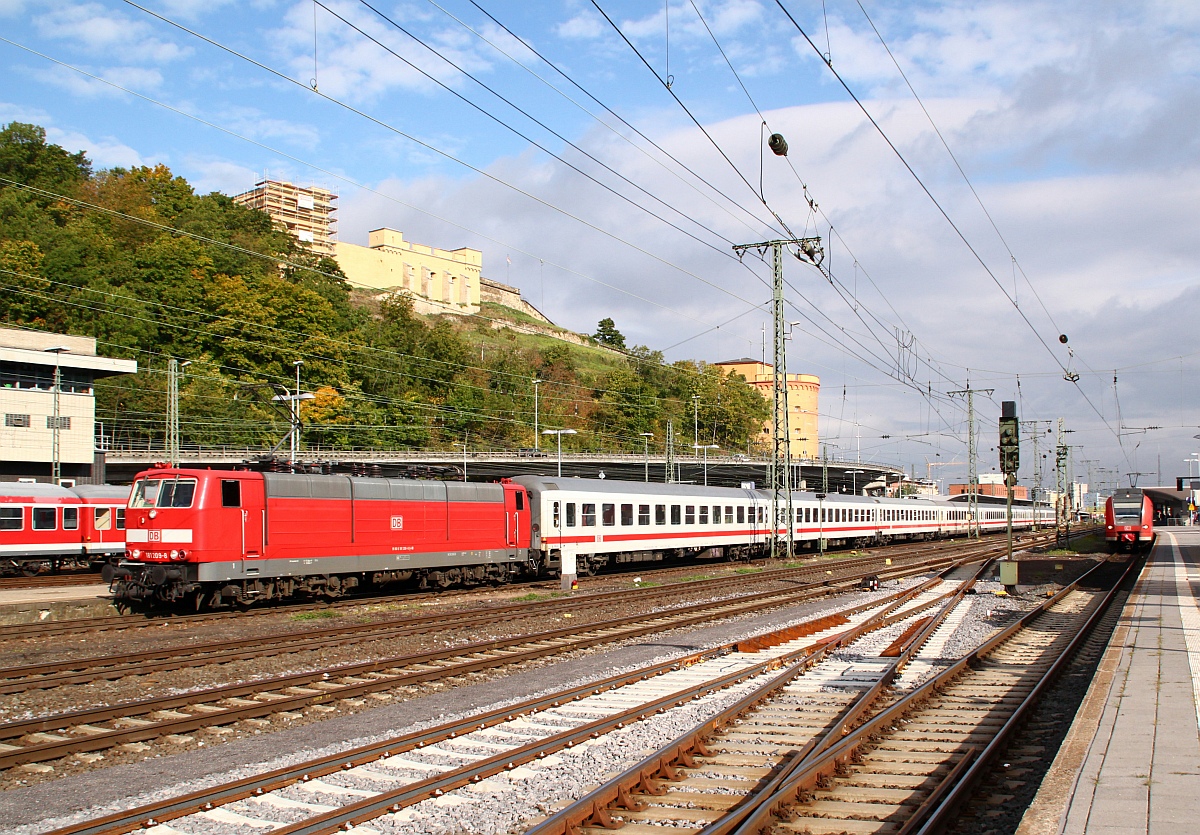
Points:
(583, 26)
(207, 175)
(104, 153)
(99, 30)
(10, 112)
(134, 78)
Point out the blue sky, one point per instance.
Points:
(1076, 123)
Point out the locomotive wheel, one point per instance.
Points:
(31, 569)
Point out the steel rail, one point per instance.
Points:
(592, 809)
(423, 667)
(203, 799)
(825, 765)
(37, 676)
(50, 628)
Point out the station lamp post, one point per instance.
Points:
(463, 444)
(558, 433)
(646, 436)
(537, 438)
(706, 448)
(56, 427)
(695, 421)
(854, 474)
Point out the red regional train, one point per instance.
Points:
(213, 538)
(1129, 521)
(43, 524)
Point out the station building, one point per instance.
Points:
(803, 391)
(30, 363)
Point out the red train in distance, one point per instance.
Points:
(1129, 521)
(215, 537)
(43, 524)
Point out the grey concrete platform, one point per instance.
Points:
(1131, 763)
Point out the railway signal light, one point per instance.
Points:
(1010, 440)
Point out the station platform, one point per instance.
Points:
(1131, 762)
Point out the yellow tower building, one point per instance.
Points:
(803, 391)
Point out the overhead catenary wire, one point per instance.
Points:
(440, 152)
(941, 210)
(340, 176)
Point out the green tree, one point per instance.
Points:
(607, 334)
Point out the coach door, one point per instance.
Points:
(516, 512)
(244, 501)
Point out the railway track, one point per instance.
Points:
(49, 737)
(905, 769)
(47, 581)
(11, 632)
(87, 670)
(58, 735)
(337, 792)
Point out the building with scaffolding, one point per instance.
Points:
(307, 213)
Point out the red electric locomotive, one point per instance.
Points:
(1129, 521)
(235, 537)
(43, 524)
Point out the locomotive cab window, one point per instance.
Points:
(70, 518)
(520, 500)
(45, 518)
(12, 518)
(231, 493)
(163, 492)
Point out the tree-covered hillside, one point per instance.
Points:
(153, 270)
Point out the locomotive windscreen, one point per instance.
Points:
(1127, 512)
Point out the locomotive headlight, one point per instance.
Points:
(135, 553)
(153, 514)
(174, 555)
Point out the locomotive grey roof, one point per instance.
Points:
(39, 490)
(290, 486)
(100, 491)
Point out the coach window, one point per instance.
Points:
(557, 514)
(102, 518)
(70, 518)
(689, 514)
(643, 514)
(716, 514)
(12, 518)
(675, 517)
(588, 511)
(703, 514)
(570, 514)
(45, 518)
(660, 514)
(609, 512)
(728, 514)
(627, 514)
(231, 493)
(741, 515)
(120, 518)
